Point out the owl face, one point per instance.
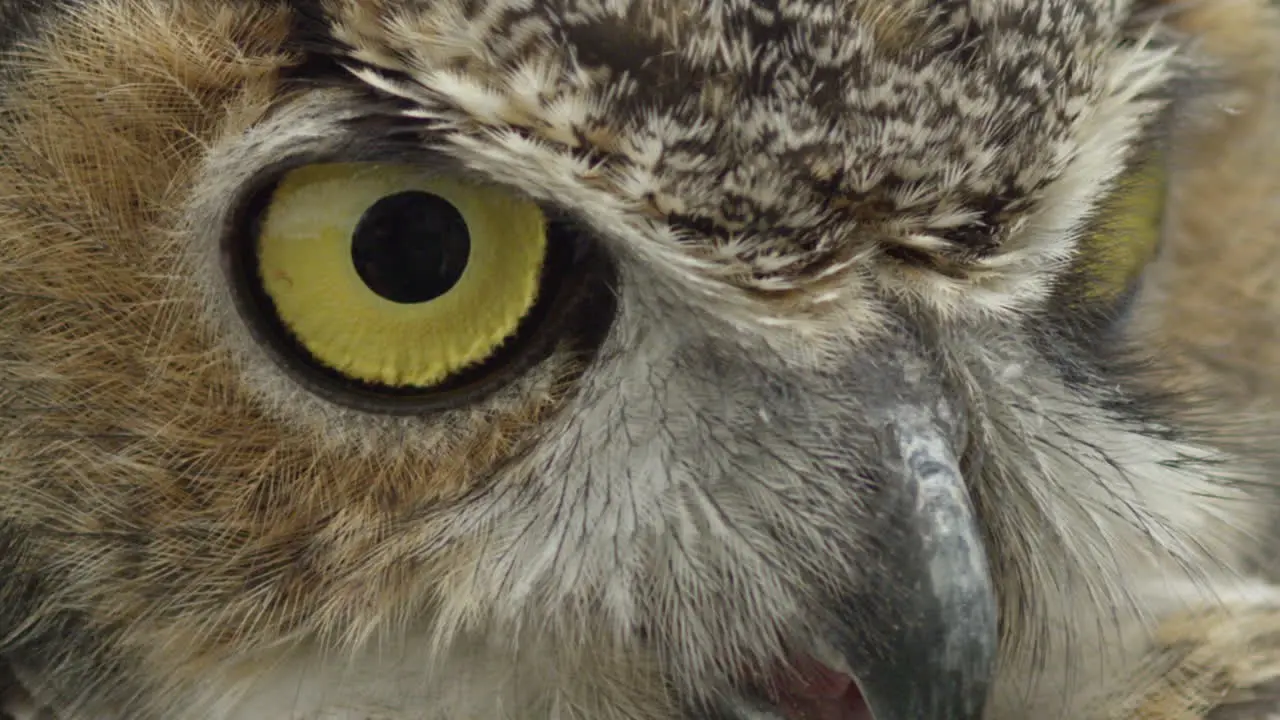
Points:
(650, 359)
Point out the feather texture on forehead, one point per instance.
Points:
(778, 142)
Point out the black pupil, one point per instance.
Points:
(411, 247)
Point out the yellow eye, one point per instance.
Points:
(390, 275)
(395, 278)
(1127, 231)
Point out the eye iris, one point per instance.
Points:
(1128, 229)
(393, 278)
(411, 247)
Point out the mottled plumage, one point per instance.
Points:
(829, 257)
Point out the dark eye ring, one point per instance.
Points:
(388, 289)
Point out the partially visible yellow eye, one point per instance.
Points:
(1128, 230)
(392, 276)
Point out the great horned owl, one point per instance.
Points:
(639, 359)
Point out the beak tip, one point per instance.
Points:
(929, 633)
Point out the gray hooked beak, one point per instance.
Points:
(919, 634)
(926, 635)
(919, 639)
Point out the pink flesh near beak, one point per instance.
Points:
(820, 693)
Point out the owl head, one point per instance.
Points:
(597, 359)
